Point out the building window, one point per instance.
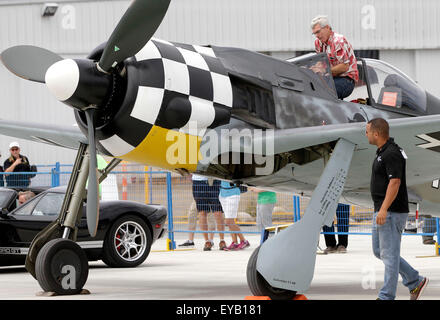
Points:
(372, 54)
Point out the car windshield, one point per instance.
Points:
(26, 208)
(5, 197)
(49, 205)
(393, 88)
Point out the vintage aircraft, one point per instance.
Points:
(135, 95)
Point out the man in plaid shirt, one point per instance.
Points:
(343, 63)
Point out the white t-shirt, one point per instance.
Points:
(196, 177)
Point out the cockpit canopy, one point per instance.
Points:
(382, 85)
(389, 87)
(318, 67)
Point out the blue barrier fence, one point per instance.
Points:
(137, 183)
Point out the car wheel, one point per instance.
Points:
(127, 243)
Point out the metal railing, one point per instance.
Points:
(142, 184)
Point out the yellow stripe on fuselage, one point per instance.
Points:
(167, 149)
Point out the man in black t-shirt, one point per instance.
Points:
(390, 197)
(17, 163)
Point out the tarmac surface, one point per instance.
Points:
(219, 275)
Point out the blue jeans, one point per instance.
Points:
(344, 86)
(386, 247)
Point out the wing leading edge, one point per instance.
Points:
(61, 136)
(404, 130)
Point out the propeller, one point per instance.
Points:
(93, 186)
(29, 62)
(86, 85)
(133, 31)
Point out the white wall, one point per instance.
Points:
(427, 66)
(422, 66)
(401, 28)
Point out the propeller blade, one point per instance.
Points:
(133, 31)
(29, 62)
(92, 189)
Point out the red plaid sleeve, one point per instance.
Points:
(318, 47)
(342, 53)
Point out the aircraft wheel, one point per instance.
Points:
(259, 286)
(62, 267)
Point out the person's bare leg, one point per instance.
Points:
(231, 223)
(220, 224)
(192, 227)
(203, 221)
(233, 227)
(191, 235)
(211, 225)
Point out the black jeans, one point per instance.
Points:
(342, 216)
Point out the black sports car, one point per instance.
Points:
(125, 234)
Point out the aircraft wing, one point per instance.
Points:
(418, 136)
(404, 130)
(61, 136)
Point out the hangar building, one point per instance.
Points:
(402, 32)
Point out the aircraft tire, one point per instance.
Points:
(259, 286)
(114, 256)
(62, 267)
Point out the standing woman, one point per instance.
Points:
(230, 199)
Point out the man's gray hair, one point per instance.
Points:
(321, 20)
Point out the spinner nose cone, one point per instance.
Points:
(62, 79)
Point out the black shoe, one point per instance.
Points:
(428, 240)
(330, 250)
(341, 249)
(187, 244)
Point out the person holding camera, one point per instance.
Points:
(17, 163)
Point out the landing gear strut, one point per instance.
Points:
(54, 259)
(285, 263)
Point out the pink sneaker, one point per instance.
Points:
(243, 244)
(232, 246)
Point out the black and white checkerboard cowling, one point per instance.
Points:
(179, 85)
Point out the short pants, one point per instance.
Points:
(206, 196)
(230, 206)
